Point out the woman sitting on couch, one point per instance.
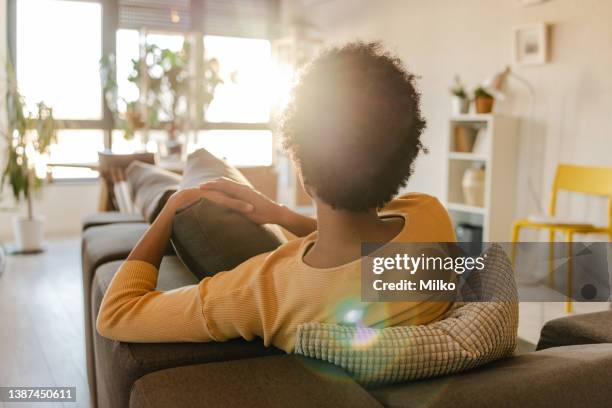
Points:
(353, 129)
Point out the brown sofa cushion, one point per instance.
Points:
(110, 165)
(210, 238)
(588, 328)
(562, 377)
(118, 364)
(110, 217)
(151, 187)
(279, 381)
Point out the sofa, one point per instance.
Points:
(568, 369)
(571, 366)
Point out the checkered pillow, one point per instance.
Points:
(472, 334)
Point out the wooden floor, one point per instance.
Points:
(41, 322)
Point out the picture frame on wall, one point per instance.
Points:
(531, 44)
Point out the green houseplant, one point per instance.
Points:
(27, 141)
(460, 103)
(164, 81)
(483, 100)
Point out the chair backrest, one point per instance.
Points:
(583, 179)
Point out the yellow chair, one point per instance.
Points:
(578, 179)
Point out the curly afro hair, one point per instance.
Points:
(353, 126)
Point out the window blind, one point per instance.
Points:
(162, 15)
(233, 18)
(239, 18)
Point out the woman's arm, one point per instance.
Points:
(260, 209)
(132, 310)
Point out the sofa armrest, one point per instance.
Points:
(588, 328)
(277, 381)
(560, 377)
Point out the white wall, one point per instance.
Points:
(438, 38)
(63, 205)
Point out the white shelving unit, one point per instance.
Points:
(498, 154)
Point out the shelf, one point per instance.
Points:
(466, 156)
(465, 208)
(472, 117)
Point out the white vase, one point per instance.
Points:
(28, 232)
(459, 105)
(473, 184)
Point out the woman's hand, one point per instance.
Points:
(185, 197)
(244, 199)
(257, 207)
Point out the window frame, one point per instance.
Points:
(110, 25)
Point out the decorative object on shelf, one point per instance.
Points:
(473, 185)
(460, 103)
(483, 100)
(531, 44)
(481, 141)
(464, 136)
(28, 140)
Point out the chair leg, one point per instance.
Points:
(551, 259)
(570, 262)
(516, 229)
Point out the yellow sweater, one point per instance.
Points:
(269, 295)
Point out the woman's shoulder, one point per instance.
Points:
(414, 200)
(428, 220)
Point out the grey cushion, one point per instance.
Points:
(110, 217)
(469, 335)
(588, 328)
(279, 381)
(572, 376)
(118, 365)
(210, 238)
(202, 166)
(151, 187)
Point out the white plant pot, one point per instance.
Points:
(459, 105)
(28, 233)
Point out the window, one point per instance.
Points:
(238, 147)
(58, 48)
(58, 45)
(128, 50)
(244, 67)
(76, 148)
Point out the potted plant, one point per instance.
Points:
(460, 102)
(483, 100)
(164, 81)
(28, 139)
